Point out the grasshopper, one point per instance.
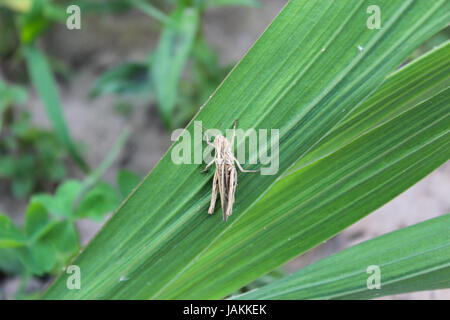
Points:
(225, 177)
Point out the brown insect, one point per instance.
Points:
(225, 177)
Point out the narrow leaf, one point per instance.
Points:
(43, 80)
(170, 57)
(411, 259)
(152, 11)
(400, 92)
(314, 203)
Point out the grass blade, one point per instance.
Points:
(152, 11)
(411, 259)
(401, 91)
(314, 203)
(42, 78)
(170, 57)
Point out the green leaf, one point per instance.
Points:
(36, 221)
(10, 236)
(43, 80)
(63, 236)
(401, 91)
(36, 17)
(127, 181)
(97, 202)
(162, 236)
(411, 259)
(152, 11)
(170, 57)
(58, 240)
(38, 258)
(128, 78)
(10, 261)
(266, 279)
(314, 203)
(66, 194)
(54, 248)
(33, 22)
(62, 203)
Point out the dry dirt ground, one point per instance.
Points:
(107, 41)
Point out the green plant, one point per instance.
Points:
(403, 256)
(32, 19)
(161, 78)
(49, 223)
(42, 78)
(43, 246)
(341, 156)
(49, 238)
(9, 95)
(30, 158)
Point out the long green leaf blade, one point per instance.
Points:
(314, 203)
(43, 80)
(400, 92)
(169, 60)
(411, 259)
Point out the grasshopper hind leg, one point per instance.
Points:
(213, 195)
(232, 183)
